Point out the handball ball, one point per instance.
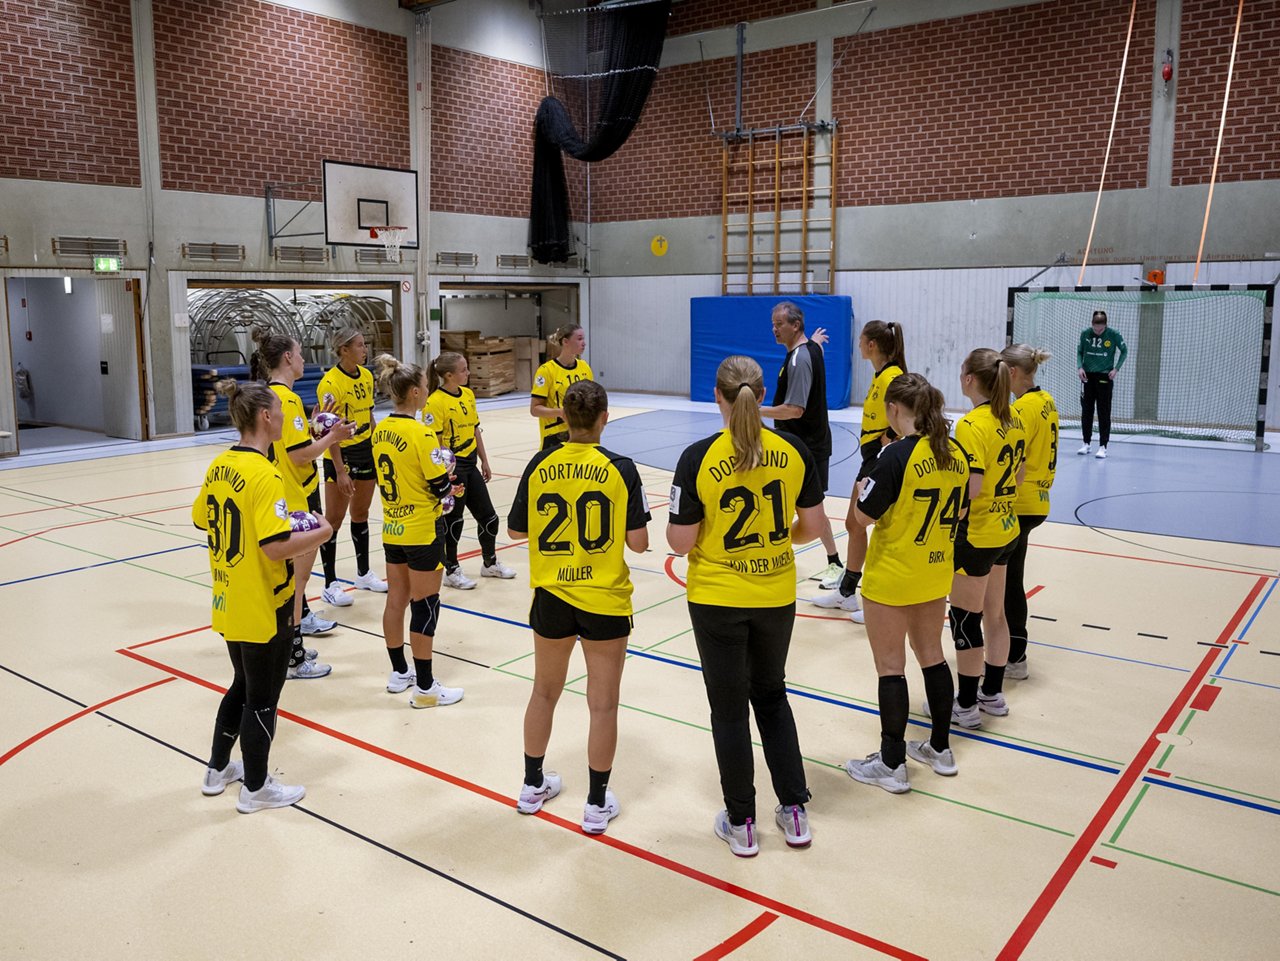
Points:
(445, 458)
(446, 503)
(324, 422)
(300, 521)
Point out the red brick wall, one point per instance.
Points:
(69, 106)
(1004, 103)
(250, 93)
(694, 15)
(671, 165)
(482, 113)
(1251, 139)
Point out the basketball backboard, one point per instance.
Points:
(358, 197)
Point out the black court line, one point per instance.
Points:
(1211, 644)
(1096, 627)
(1158, 637)
(346, 830)
(1274, 653)
(1041, 617)
(352, 627)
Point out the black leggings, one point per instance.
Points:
(476, 500)
(744, 662)
(1097, 387)
(248, 709)
(1015, 588)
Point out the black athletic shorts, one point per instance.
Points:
(313, 502)
(978, 561)
(824, 471)
(870, 452)
(419, 557)
(551, 616)
(358, 459)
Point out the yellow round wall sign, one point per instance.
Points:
(658, 245)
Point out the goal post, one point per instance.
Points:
(1198, 355)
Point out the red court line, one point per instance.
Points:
(1239, 642)
(624, 847)
(1034, 591)
(672, 574)
(1087, 838)
(731, 944)
(102, 500)
(1105, 862)
(96, 520)
(1158, 773)
(79, 714)
(1150, 560)
(169, 637)
(1205, 697)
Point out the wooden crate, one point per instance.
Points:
(492, 373)
(471, 342)
(529, 351)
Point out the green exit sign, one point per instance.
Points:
(106, 265)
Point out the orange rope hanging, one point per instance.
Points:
(1217, 151)
(1115, 112)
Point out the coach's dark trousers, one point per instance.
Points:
(1097, 387)
(744, 661)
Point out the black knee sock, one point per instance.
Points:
(306, 608)
(329, 558)
(398, 663)
(298, 653)
(895, 705)
(226, 728)
(422, 668)
(834, 559)
(488, 535)
(992, 680)
(598, 781)
(256, 731)
(533, 770)
(940, 689)
(1017, 649)
(360, 539)
(849, 582)
(967, 696)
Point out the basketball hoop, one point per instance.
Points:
(392, 238)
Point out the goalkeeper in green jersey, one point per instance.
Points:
(1099, 355)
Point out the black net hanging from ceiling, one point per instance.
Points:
(601, 62)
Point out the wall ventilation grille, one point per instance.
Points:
(214, 253)
(89, 247)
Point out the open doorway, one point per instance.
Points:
(508, 309)
(76, 360)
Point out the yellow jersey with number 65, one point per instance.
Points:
(353, 400)
(299, 480)
(241, 506)
(411, 480)
(743, 556)
(996, 452)
(454, 418)
(1039, 416)
(550, 383)
(917, 506)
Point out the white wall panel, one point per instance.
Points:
(121, 406)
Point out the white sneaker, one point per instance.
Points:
(308, 671)
(872, 770)
(833, 582)
(942, 762)
(310, 653)
(336, 596)
(1017, 670)
(455, 578)
(833, 571)
(740, 838)
(313, 623)
(794, 823)
(859, 616)
(1102, 453)
(1084, 449)
(532, 798)
(968, 717)
(215, 782)
(369, 581)
(995, 705)
(437, 695)
(596, 819)
(834, 600)
(272, 794)
(398, 683)
(497, 569)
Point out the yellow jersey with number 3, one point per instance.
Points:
(996, 452)
(454, 418)
(353, 400)
(550, 383)
(1039, 416)
(241, 506)
(917, 506)
(299, 480)
(411, 480)
(743, 555)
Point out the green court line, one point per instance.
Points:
(652, 647)
(1169, 750)
(580, 677)
(1190, 714)
(514, 660)
(1129, 813)
(1187, 867)
(675, 597)
(1221, 787)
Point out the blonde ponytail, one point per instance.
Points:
(740, 382)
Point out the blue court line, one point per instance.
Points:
(1212, 795)
(1223, 666)
(1256, 611)
(89, 567)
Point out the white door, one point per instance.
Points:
(121, 405)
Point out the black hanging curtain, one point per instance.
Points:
(628, 40)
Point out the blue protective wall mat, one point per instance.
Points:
(720, 326)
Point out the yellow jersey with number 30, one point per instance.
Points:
(353, 400)
(241, 506)
(299, 479)
(1039, 416)
(411, 480)
(917, 506)
(549, 384)
(743, 555)
(996, 452)
(454, 418)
